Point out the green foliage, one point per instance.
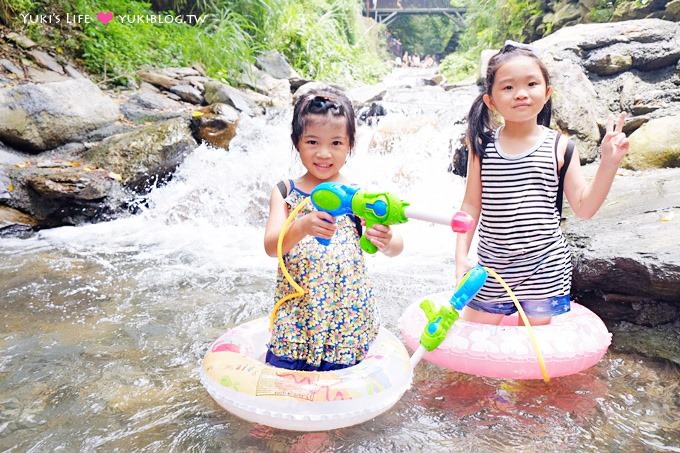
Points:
(488, 24)
(602, 11)
(322, 39)
(422, 35)
(10, 10)
(458, 66)
(133, 40)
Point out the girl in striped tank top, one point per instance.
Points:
(513, 184)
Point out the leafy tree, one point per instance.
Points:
(488, 24)
(423, 34)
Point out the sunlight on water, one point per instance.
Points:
(104, 326)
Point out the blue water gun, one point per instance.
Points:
(377, 208)
(440, 321)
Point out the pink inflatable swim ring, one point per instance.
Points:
(572, 342)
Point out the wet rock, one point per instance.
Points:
(38, 117)
(215, 124)
(145, 156)
(15, 223)
(56, 192)
(371, 114)
(54, 181)
(660, 341)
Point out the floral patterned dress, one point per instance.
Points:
(337, 318)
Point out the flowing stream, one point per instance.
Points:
(103, 326)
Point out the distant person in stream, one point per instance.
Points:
(371, 115)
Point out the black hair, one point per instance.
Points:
(322, 101)
(479, 132)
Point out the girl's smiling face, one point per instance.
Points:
(519, 90)
(324, 146)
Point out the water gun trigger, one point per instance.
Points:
(366, 245)
(428, 308)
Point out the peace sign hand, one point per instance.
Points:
(615, 144)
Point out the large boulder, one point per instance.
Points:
(602, 69)
(576, 109)
(655, 145)
(627, 260)
(55, 192)
(144, 156)
(274, 64)
(38, 117)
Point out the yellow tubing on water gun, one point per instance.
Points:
(532, 338)
(299, 290)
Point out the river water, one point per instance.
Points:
(104, 326)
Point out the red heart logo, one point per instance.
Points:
(104, 17)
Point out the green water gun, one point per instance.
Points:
(440, 321)
(377, 208)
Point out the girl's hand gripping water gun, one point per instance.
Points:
(440, 321)
(377, 208)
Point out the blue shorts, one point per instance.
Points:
(301, 364)
(542, 308)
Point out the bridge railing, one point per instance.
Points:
(391, 5)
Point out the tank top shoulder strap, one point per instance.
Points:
(284, 189)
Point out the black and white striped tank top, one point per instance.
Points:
(519, 231)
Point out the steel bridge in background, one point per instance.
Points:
(385, 11)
